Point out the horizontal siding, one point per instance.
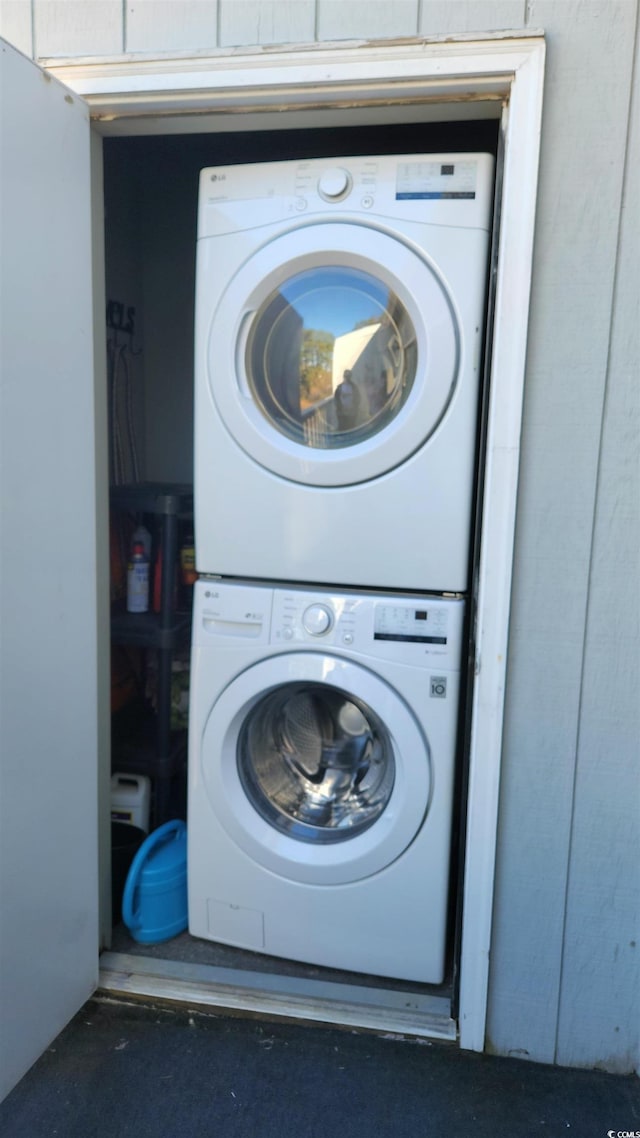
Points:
(15, 24)
(170, 25)
(589, 68)
(442, 17)
(109, 27)
(78, 27)
(366, 19)
(600, 997)
(106, 27)
(97, 27)
(266, 21)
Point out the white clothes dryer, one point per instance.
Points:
(339, 327)
(322, 749)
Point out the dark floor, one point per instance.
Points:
(132, 1070)
(192, 950)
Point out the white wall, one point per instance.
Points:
(564, 976)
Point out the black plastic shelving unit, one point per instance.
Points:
(152, 748)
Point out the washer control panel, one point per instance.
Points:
(416, 630)
(412, 629)
(410, 624)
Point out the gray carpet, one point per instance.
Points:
(127, 1071)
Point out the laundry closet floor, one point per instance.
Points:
(123, 1071)
(208, 975)
(192, 950)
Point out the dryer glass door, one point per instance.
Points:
(333, 352)
(331, 357)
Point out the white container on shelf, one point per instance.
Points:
(131, 799)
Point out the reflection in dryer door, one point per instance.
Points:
(331, 357)
(316, 763)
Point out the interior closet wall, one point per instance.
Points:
(125, 307)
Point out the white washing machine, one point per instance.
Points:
(339, 325)
(322, 750)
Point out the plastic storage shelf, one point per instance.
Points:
(158, 752)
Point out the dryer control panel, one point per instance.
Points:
(436, 189)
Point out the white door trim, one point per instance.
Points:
(141, 94)
(262, 88)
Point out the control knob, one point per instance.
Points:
(317, 619)
(334, 183)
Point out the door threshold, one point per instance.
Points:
(276, 996)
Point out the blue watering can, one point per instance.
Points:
(154, 903)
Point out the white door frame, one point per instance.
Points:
(330, 84)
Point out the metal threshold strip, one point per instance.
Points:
(343, 1005)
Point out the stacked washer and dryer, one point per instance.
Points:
(339, 322)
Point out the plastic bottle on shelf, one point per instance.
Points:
(138, 579)
(158, 570)
(141, 535)
(188, 573)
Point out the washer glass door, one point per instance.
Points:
(315, 762)
(333, 353)
(316, 768)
